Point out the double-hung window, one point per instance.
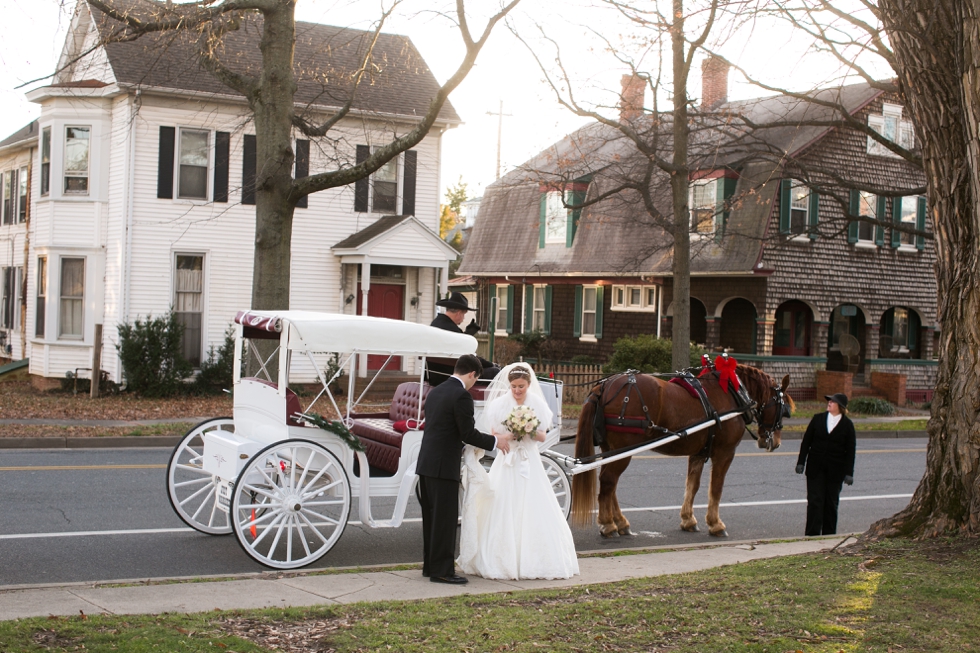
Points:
(799, 208)
(22, 195)
(72, 315)
(634, 298)
(907, 212)
(890, 125)
(537, 309)
(869, 209)
(77, 155)
(40, 304)
(391, 188)
(10, 278)
(540, 308)
(503, 319)
(45, 160)
(384, 188)
(702, 200)
(189, 304)
(555, 218)
(9, 182)
(588, 312)
(192, 176)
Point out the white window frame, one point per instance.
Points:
(7, 209)
(908, 240)
(621, 298)
(586, 336)
(61, 297)
(175, 290)
(499, 330)
(14, 299)
(555, 219)
(208, 167)
(867, 201)
(703, 185)
(45, 156)
(542, 311)
(77, 174)
(41, 298)
(890, 125)
(799, 203)
(397, 162)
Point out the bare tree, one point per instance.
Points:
(270, 90)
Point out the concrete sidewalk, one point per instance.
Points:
(299, 589)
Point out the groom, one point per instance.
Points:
(448, 424)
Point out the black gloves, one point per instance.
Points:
(799, 469)
(472, 328)
(848, 480)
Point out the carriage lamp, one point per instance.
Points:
(349, 298)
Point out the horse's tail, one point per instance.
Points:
(584, 492)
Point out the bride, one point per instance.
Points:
(512, 525)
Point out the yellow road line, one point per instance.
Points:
(58, 468)
(797, 453)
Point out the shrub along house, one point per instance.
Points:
(779, 273)
(139, 177)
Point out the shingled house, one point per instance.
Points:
(779, 270)
(132, 192)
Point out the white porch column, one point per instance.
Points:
(365, 288)
(444, 281)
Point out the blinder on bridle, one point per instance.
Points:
(768, 432)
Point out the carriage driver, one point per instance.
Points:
(456, 308)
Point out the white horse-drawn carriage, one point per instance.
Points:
(281, 483)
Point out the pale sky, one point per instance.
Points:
(33, 34)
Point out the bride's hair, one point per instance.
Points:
(519, 373)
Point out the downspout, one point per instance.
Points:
(27, 258)
(130, 203)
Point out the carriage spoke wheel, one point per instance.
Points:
(559, 483)
(192, 491)
(290, 504)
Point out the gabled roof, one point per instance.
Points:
(399, 81)
(616, 236)
(397, 238)
(25, 134)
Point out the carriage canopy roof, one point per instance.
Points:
(335, 332)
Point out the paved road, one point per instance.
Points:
(87, 515)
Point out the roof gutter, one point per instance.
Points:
(24, 143)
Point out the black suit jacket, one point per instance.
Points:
(448, 424)
(830, 452)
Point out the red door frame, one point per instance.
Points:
(797, 310)
(384, 300)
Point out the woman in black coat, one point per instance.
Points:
(827, 454)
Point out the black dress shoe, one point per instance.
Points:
(452, 580)
(425, 574)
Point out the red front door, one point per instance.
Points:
(384, 300)
(791, 336)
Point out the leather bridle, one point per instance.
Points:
(768, 433)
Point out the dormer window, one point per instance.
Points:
(559, 219)
(890, 125)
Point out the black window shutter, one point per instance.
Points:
(222, 150)
(165, 163)
(302, 167)
(408, 187)
(248, 170)
(361, 185)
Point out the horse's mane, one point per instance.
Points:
(760, 384)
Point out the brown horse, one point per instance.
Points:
(670, 406)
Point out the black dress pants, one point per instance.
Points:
(440, 513)
(822, 498)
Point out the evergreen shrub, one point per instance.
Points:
(151, 356)
(217, 369)
(646, 353)
(870, 406)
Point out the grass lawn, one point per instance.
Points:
(888, 597)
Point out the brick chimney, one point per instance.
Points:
(714, 82)
(631, 97)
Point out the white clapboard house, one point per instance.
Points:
(131, 194)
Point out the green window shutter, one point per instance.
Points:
(888, 326)
(541, 219)
(547, 311)
(528, 309)
(725, 189)
(914, 325)
(854, 209)
(814, 217)
(920, 223)
(510, 309)
(880, 217)
(785, 202)
(575, 198)
(598, 311)
(492, 320)
(577, 323)
(896, 220)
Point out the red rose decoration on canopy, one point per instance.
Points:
(726, 371)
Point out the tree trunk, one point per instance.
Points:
(937, 53)
(679, 183)
(273, 108)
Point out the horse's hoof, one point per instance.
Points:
(606, 536)
(691, 529)
(722, 533)
(625, 531)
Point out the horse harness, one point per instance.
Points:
(625, 424)
(767, 433)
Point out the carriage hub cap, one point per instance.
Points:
(292, 503)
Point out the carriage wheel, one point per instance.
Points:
(559, 483)
(192, 490)
(290, 504)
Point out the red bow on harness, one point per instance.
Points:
(726, 371)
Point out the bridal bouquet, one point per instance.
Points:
(522, 422)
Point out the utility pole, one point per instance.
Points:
(500, 127)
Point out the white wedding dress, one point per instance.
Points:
(512, 525)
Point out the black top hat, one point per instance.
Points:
(456, 300)
(839, 398)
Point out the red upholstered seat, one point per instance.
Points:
(292, 401)
(382, 442)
